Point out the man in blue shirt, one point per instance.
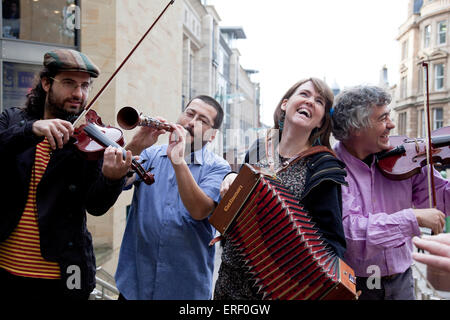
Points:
(165, 252)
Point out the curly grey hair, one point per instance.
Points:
(353, 108)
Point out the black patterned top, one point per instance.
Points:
(234, 282)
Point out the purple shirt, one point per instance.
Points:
(377, 217)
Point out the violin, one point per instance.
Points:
(93, 137)
(407, 156)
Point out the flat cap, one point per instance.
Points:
(70, 60)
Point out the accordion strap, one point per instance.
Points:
(270, 153)
(304, 154)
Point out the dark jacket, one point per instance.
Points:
(321, 195)
(70, 186)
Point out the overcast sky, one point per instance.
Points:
(342, 41)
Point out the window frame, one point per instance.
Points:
(405, 47)
(402, 123)
(439, 78)
(435, 120)
(404, 87)
(427, 36)
(420, 85)
(438, 33)
(422, 124)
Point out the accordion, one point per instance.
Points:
(274, 235)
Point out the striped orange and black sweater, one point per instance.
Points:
(20, 254)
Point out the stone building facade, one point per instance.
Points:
(211, 66)
(423, 37)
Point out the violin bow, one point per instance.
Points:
(99, 93)
(431, 186)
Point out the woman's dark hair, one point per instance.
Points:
(323, 133)
(35, 103)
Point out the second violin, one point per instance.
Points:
(408, 156)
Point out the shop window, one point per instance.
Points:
(18, 80)
(49, 21)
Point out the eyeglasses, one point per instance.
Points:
(72, 85)
(189, 114)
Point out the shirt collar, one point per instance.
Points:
(347, 157)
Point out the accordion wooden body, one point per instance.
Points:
(279, 244)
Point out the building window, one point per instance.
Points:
(438, 118)
(439, 76)
(50, 21)
(213, 41)
(420, 84)
(422, 129)
(191, 76)
(442, 32)
(18, 79)
(426, 36)
(403, 87)
(405, 49)
(402, 123)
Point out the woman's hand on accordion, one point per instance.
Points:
(226, 183)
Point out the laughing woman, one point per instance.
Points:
(298, 148)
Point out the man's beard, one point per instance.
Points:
(57, 110)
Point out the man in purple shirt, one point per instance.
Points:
(380, 216)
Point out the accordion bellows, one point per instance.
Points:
(278, 242)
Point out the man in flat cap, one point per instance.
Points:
(45, 248)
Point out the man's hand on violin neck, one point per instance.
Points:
(115, 167)
(56, 131)
(431, 218)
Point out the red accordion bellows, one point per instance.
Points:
(278, 242)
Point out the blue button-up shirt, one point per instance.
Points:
(165, 253)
